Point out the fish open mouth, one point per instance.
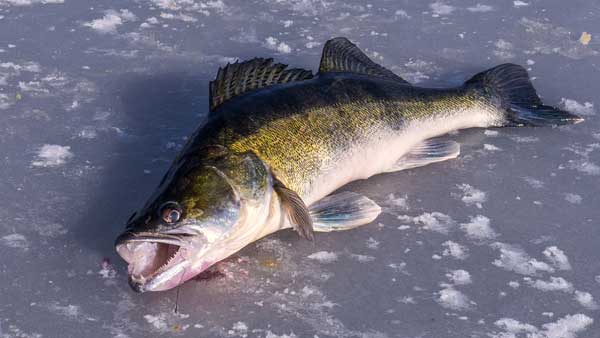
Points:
(154, 263)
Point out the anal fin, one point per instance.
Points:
(427, 152)
(343, 211)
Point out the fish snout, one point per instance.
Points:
(136, 284)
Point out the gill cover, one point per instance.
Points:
(245, 172)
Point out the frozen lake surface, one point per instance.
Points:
(96, 98)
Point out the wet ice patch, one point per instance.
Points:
(13, 331)
(372, 243)
(50, 230)
(362, 258)
(52, 155)
(201, 7)
(440, 8)
(573, 198)
(524, 139)
(534, 182)
(33, 88)
(324, 257)
(584, 109)
(491, 147)
(110, 21)
(279, 46)
(15, 241)
(70, 311)
(471, 195)
(407, 300)
(455, 250)
(5, 101)
(557, 257)
(585, 167)
(167, 322)
(239, 329)
(567, 327)
(519, 3)
(459, 277)
(66, 310)
(434, 221)
(513, 326)
(479, 228)
(416, 70)
(453, 299)
(397, 201)
(504, 49)
(586, 300)
(180, 16)
(549, 39)
(553, 284)
(270, 334)
(402, 14)
(30, 2)
(29, 66)
(479, 8)
(516, 259)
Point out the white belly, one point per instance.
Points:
(381, 152)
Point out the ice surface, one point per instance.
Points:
(97, 97)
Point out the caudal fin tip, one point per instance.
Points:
(540, 115)
(570, 118)
(511, 84)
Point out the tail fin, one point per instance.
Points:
(509, 84)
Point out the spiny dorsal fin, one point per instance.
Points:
(238, 78)
(341, 55)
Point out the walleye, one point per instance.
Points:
(279, 141)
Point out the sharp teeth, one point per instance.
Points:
(138, 278)
(171, 256)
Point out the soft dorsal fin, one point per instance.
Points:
(341, 55)
(238, 78)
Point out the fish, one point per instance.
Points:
(279, 141)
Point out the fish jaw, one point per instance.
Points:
(159, 262)
(155, 263)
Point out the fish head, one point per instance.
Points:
(195, 218)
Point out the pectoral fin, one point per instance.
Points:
(427, 152)
(343, 211)
(295, 209)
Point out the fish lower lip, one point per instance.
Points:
(151, 260)
(136, 285)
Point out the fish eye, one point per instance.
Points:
(170, 212)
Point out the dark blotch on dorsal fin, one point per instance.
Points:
(341, 55)
(239, 78)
